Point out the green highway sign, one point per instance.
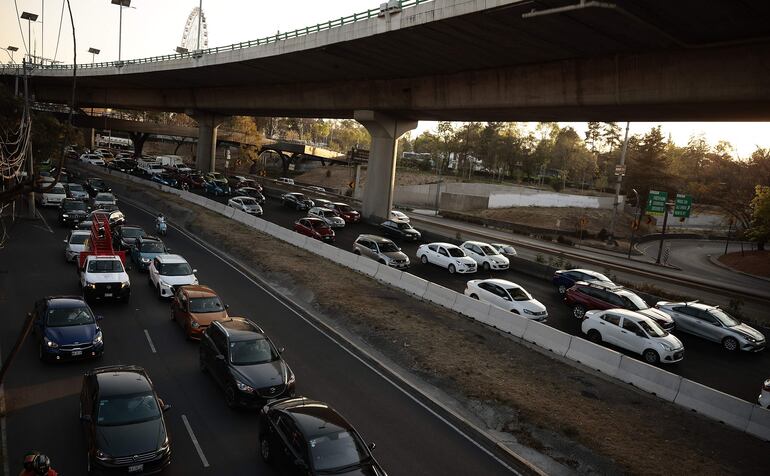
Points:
(656, 202)
(682, 205)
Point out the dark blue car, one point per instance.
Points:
(210, 187)
(564, 279)
(66, 329)
(164, 179)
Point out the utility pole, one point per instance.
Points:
(618, 184)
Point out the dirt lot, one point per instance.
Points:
(752, 262)
(586, 422)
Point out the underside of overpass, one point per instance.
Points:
(523, 60)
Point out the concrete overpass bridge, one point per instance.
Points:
(549, 60)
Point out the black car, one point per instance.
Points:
(123, 422)
(250, 192)
(96, 185)
(297, 201)
(72, 212)
(399, 230)
(308, 437)
(122, 165)
(124, 236)
(245, 363)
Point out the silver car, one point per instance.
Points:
(714, 324)
(381, 250)
(75, 243)
(327, 215)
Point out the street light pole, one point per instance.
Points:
(121, 4)
(30, 17)
(94, 52)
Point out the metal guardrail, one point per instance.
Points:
(368, 14)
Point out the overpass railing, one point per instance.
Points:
(392, 6)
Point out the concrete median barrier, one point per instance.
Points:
(229, 211)
(595, 356)
(366, 266)
(471, 307)
(296, 239)
(507, 321)
(715, 404)
(413, 285)
(347, 259)
(648, 378)
(547, 337)
(440, 295)
(759, 423)
(388, 275)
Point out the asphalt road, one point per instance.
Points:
(42, 399)
(738, 374)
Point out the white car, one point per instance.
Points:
(508, 296)
(75, 243)
(166, 272)
(398, 216)
(104, 199)
(315, 188)
(54, 196)
(764, 397)
(503, 249)
(181, 168)
(635, 332)
(447, 256)
(246, 204)
(327, 216)
(285, 180)
(486, 256)
(92, 159)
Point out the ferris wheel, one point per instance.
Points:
(196, 19)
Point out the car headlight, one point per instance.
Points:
(90, 285)
(195, 280)
(49, 343)
(666, 346)
(145, 260)
(164, 447)
(750, 339)
(194, 324)
(243, 387)
(527, 311)
(102, 456)
(125, 284)
(97, 338)
(291, 379)
(64, 215)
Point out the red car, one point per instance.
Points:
(585, 296)
(314, 228)
(193, 181)
(346, 212)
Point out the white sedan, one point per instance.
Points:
(398, 216)
(75, 243)
(92, 159)
(635, 332)
(246, 204)
(328, 216)
(54, 196)
(447, 256)
(508, 296)
(104, 199)
(486, 256)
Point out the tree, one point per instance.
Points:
(648, 164)
(760, 216)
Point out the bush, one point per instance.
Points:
(540, 258)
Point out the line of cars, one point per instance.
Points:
(122, 415)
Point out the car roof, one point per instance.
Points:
(243, 196)
(121, 380)
(627, 313)
(198, 290)
(695, 304)
(171, 259)
(239, 328)
(314, 418)
(601, 284)
(501, 282)
(375, 238)
(445, 245)
(65, 302)
(149, 238)
(477, 243)
(313, 219)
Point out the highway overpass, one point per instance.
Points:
(545, 60)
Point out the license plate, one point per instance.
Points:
(107, 294)
(136, 468)
(75, 353)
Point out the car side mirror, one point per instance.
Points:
(281, 350)
(371, 446)
(86, 418)
(195, 271)
(165, 406)
(227, 306)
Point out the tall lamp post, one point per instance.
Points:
(10, 50)
(121, 4)
(30, 17)
(94, 52)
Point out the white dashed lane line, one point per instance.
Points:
(149, 341)
(195, 442)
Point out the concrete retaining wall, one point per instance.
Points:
(717, 405)
(547, 337)
(648, 378)
(595, 356)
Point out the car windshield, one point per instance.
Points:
(634, 302)
(248, 201)
(252, 352)
(519, 294)
(74, 205)
(344, 208)
(105, 266)
(74, 316)
(724, 318)
(97, 183)
(104, 197)
(57, 189)
(127, 409)
(152, 247)
(388, 247)
(403, 225)
(79, 239)
(131, 232)
(327, 213)
(652, 328)
(75, 187)
(206, 304)
(176, 269)
(488, 250)
(319, 225)
(456, 252)
(299, 196)
(336, 450)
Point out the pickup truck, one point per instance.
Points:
(103, 277)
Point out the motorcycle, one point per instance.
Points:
(160, 226)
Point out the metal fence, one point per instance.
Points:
(373, 13)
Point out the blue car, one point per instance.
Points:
(211, 187)
(145, 249)
(163, 179)
(66, 329)
(564, 279)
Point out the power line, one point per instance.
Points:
(58, 36)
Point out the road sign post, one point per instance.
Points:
(656, 202)
(682, 205)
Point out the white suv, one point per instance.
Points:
(635, 332)
(485, 255)
(166, 272)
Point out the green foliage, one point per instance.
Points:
(540, 258)
(760, 216)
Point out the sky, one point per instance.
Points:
(155, 27)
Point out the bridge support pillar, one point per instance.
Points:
(208, 123)
(385, 131)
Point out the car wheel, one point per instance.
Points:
(230, 398)
(473, 296)
(452, 269)
(579, 311)
(424, 259)
(651, 357)
(562, 289)
(486, 267)
(594, 336)
(265, 449)
(730, 343)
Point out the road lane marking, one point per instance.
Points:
(195, 442)
(283, 299)
(149, 341)
(40, 215)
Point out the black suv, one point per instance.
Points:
(124, 236)
(72, 212)
(308, 437)
(245, 363)
(297, 201)
(123, 422)
(399, 230)
(96, 185)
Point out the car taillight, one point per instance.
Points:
(766, 387)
